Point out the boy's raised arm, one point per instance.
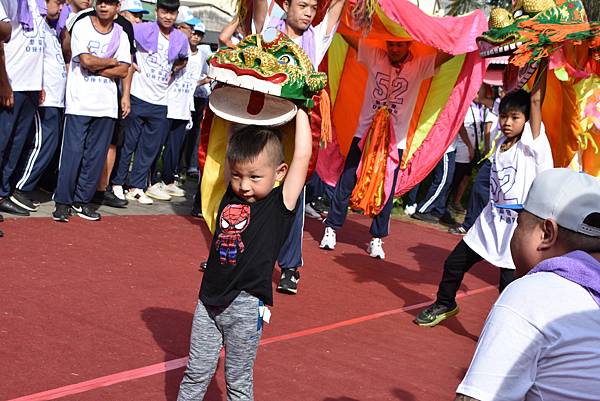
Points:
(294, 181)
(537, 98)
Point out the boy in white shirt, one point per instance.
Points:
(49, 117)
(180, 103)
(198, 56)
(472, 135)
(522, 153)
(394, 80)
(541, 340)
(24, 64)
(101, 55)
(162, 50)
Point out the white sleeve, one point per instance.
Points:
(367, 54)
(538, 148)
(78, 42)
(427, 65)
(124, 52)
(322, 39)
(505, 362)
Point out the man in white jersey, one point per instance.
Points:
(189, 158)
(296, 23)
(162, 50)
(101, 55)
(24, 57)
(541, 340)
(180, 104)
(394, 79)
(198, 56)
(49, 117)
(315, 41)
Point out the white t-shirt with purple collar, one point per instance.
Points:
(322, 40)
(394, 87)
(151, 82)
(55, 70)
(89, 94)
(24, 53)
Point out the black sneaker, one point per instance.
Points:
(435, 314)
(448, 220)
(110, 199)
(1, 218)
(86, 212)
(321, 205)
(19, 198)
(61, 213)
(427, 217)
(8, 206)
(288, 283)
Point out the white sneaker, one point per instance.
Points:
(139, 195)
(158, 192)
(118, 191)
(173, 190)
(328, 241)
(410, 209)
(375, 249)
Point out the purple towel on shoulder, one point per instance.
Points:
(62, 18)
(146, 35)
(578, 267)
(26, 15)
(307, 42)
(115, 41)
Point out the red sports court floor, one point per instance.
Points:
(102, 311)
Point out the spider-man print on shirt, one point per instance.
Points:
(233, 221)
(390, 94)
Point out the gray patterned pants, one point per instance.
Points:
(235, 327)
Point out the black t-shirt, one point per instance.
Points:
(125, 24)
(245, 247)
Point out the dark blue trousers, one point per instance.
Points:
(480, 194)
(437, 194)
(82, 157)
(171, 152)
(290, 255)
(42, 147)
(15, 127)
(316, 187)
(341, 196)
(145, 127)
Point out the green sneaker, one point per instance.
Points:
(435, 314)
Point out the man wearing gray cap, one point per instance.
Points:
(541, 340)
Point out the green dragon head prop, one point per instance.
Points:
(265, 77)
(534, 30)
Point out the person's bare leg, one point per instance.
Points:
(108, 197)
(111, 156)
(462, 186)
